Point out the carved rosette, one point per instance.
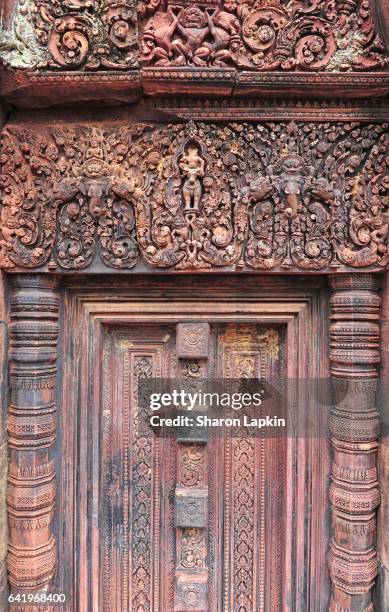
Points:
(32, 431)
(354, 425)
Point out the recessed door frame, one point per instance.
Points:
(54, 323)
(89, 310)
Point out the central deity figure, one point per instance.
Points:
(191, 36)
(193, 167)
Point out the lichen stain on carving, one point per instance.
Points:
(238, 334)
(272, 340)
(244, 336)
(266, 36)
(19, 47)
(93, 35)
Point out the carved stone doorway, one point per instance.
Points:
(110, 538)
(266, 529)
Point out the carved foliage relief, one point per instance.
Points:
(264, 35)
(269, 196)
(86, 34)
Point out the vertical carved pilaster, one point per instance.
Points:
(32, 430)
(354, 424)
(193, 341)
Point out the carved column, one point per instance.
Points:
(32, 430)
(354, 424)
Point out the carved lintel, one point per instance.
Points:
(180, 39)
(354, 424)
(270, 196)
(32, 431)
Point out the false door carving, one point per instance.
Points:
(232, 557)
(260, 535)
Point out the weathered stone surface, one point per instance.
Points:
(216, 48)
(263, 36)
(271, 196)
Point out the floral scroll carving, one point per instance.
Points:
(87, 34)
(259, 35)
(71, 174)
(265, 35)
(260, 196)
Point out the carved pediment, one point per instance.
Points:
(195, 196)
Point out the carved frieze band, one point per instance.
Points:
(354, 424)
(256, 35)
(261, 35)
(32, 431)
(269, 196)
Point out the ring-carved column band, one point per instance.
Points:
(354, 424)
(32, 431)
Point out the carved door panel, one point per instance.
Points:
(137, 478)
(249, 496)
(154, 556)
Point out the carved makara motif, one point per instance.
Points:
(87, 34)
(60, 198)
(268, 196)
(298, 215)
(263, 35)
